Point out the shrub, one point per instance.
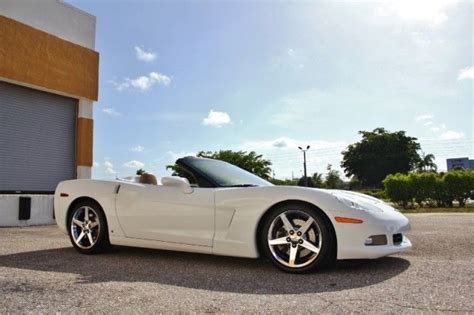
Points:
(441, 194)
(459, 185)
(431, 188)
(399, 189)
(424, 186)
(301, 181)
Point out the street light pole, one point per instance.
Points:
(304, 164)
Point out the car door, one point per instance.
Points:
(167, 214)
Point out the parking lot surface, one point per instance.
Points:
(41, 272)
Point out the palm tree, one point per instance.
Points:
(427, 163)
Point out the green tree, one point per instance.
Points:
(333, 179)
(427, 163)
(318, 180)
(141, 171)
(379, 154)
(249, 161)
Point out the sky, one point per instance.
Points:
(178, 77)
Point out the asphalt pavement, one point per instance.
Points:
(41, 272)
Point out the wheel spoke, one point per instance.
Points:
(310, 246)
(278, 241)
(79, 238)
(89, 236)
(86, 214)
(94, 224)
(293, 251)
(306, 225)
(77, 222)
(286, 222)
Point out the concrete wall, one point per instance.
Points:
(41, 210)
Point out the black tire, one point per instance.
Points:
(320, 226)
(99, 234)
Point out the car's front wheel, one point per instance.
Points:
(297, 239)
(88, 228)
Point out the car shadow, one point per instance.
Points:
(206, 272)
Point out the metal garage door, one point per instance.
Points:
(37, 139)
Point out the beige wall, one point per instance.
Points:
(37, 58)
(84, 142)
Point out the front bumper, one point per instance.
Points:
(351, 238)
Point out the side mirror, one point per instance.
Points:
(180, 182)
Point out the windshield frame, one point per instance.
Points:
(187, 164)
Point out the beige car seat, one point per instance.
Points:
(149, 179)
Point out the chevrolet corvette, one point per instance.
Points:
(218, 208)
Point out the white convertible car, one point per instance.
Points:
(221, 209)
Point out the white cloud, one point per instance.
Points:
(420, 39)
(440, 129)
(109, 167)
(451, 135)
(424, 117)
(138, 148)
(143, 55)
(432, 12)
(216, 119)
(143, 83)
(95, 164)
(466, 73)
(437, 128)
(280, 143)
(134, 164)
(111, 112)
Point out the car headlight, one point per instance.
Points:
(357, 206)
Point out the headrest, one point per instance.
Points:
(147, 178)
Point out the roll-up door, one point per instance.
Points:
(37, 139)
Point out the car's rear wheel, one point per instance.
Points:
(297, 239)
(88, 228)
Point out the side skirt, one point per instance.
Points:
(134, 242)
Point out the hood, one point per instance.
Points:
(359, 200)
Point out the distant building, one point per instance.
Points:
(463, 162)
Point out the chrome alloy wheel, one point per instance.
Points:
(85, 227)
(294, 238)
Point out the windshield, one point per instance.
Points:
(225, 174)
